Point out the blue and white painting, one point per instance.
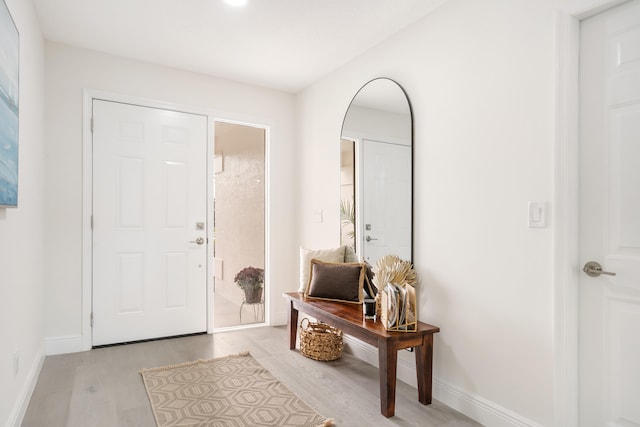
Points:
(9, 76)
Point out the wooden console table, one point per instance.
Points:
(349, 318)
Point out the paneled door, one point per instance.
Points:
(149, 222)
(609, 305)
(386, 200)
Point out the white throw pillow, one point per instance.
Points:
(326, 255)
(350, 255)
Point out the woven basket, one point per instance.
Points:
(319, 341)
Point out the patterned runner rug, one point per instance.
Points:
(232, 391)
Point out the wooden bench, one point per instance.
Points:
(349, 318)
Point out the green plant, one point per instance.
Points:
(250, 277)
(348, 217)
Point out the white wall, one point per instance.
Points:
(69, 70)
(480, 78)
(21, 232)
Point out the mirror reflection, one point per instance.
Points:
(239, 223)
(376, 172)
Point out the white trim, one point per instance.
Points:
(211, 137)
(473, 406)
(20, 407)
(566, 216)
(87, 209)
(565, 236)
(406, 369)
(479, 409)
(279, 318)
(88, 95)
(63, 345)
(270, 300)
(583, 9)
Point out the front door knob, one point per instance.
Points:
(594, 269)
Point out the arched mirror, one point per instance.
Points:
(376, 182)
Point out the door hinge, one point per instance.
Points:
(92, 222)
(92, 319)
(91, 124)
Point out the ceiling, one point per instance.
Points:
(280, 44)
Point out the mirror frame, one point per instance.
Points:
(412, 140)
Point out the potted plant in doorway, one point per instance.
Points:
(251, 281)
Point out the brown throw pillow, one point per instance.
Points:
(306, 255)
(336, 281)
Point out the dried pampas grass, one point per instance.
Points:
(392, 269)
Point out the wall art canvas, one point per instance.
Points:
(9, 76)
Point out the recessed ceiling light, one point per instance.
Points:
(236, 3)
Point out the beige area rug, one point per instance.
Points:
(232, 391)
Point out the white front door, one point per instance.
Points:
(149, 210)
(386, 200)
(609, 306)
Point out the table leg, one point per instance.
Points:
(293, 325)
(424, 367)
(387, 362)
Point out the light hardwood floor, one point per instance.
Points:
(102, 387)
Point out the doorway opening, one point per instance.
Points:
(348, 193)
(239, 225)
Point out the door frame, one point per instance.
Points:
(88, 95)
(566, 269)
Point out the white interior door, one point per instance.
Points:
(609, 309)
(386, 200)
(149, 210)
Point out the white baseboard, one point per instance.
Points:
(482, 410)
(475, 407)
(63, 345)
(20, 408)
(279, 318)
(406, 370)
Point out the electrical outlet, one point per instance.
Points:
(16, 363)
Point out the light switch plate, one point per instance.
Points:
(537, 214)
(317, 216)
